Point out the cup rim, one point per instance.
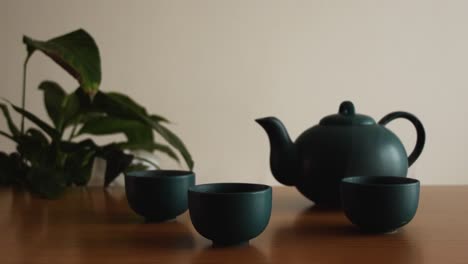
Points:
(262, 188)
(394, 181)
(159, 174)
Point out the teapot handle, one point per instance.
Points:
(421, 134)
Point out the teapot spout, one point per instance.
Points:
(283, 153)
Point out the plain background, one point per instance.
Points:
(213, 66)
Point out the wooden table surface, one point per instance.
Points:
(96, 226)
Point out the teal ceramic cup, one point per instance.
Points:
(230, 214)
(379, 203)
(158, 195)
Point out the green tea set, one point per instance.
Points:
(348, 160)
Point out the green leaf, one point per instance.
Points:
(77, 53)
(151, 146)
(112, 106)
(68, 146)
(117, 162)
(125, 100)
(53, 99)
(11, 125)
(158, 118)
(33, 146)
(83, 116)
(175, 141)
(147, 161)
(135, 131)
(41, 124)
(37, 136)
(70, 110)
(79, 165)
(132, 105)
(136, 167)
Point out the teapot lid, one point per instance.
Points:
(347, 117)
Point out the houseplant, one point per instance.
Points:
(50, 157)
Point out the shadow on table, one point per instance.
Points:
(326, 234)
(130, 231)
(95, 225)
(168, 235)
(324, 221)
(168, 242)
(228, 255)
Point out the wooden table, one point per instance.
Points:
(96, 226)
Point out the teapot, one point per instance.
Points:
(341, 145)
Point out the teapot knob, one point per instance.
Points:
(346, 108)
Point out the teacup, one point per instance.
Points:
(379, 203)
(230, 213)
(158, 195)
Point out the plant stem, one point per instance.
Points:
(23, 99)
(148, 161)
(7, 136)
(75, 126)
(72, 133)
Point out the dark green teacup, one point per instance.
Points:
(230, 213)
(379, 203)
(158, 195)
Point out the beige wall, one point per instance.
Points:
(214, 66)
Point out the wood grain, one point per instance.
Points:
(91, 225)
